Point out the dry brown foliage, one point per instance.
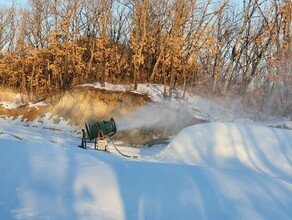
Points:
(53, 45)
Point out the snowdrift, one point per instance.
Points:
(235, 146)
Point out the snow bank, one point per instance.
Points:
(14, 105)
(209, 171)
(48, 182)
(234, 146)
(10, 105)
(154, 91)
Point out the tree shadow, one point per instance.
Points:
(71, 183)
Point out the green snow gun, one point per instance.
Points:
(96, 132)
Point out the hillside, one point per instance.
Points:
(77, 105)
(144, 117)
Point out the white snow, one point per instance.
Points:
(37, 104)
(209, 171)
(154, 91)
(221, 170)
(245, 146)
(14, 105)
(10, 105)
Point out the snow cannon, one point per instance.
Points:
(97, 132)
(106, 127)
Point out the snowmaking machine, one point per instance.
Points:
(96, 132)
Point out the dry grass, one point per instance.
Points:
(11, 95)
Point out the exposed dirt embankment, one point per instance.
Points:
(80, 105)
(84, 104)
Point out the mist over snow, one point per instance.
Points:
(163, 115)
(179, 111)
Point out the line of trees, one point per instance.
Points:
(215, 46)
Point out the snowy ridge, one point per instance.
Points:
(154, 91)
(244, 146)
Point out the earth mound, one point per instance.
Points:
(78, 105)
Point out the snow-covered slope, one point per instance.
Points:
(261, 149)
(208, 171)
(233, 168)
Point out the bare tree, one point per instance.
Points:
(138, 37)
(249, 8)
(7, 27)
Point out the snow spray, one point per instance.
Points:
(163, 115)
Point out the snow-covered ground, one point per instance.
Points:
(226, 169)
